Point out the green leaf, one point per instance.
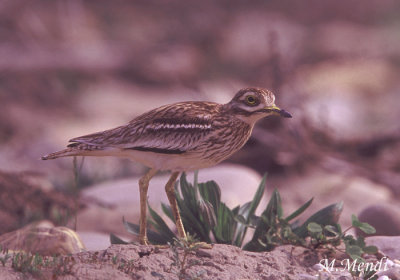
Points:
(314, 228)
(268, 218)
(360, 242)
(207, 213)
(116, 240)
(339, 228)
(253, 221)
(160, 225)
(240, 219)
(367, 228)
(354, 221)
(211, 192)
(279, 205)
(244, 210)
(326, 216)
(353, 251)
(191, 220)
(299, 211)
(226, 225)
(247, 211)
(370, 250)
(188, 191)
(235, 211)
(167, 211)
(274, 207)
(331, 230)
(131, 228)
(153, 236)
(242, 223)
(257, 198)
(188, 208)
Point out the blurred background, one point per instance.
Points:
(72, 67)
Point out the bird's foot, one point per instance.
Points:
(143, 241)
(202, 245)
(162, 246)
(189, 242)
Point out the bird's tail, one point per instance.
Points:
(63, 153)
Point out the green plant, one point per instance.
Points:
(182, 249)
(203, 215)
(51, 267)
(6, 256)
(36, 264)
(210, 220)
(331, 237)
(27, 262)
(4, 259)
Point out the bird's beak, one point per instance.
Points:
(278, 111)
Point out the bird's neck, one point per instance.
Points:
(249, 120)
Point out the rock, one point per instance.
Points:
(238, 185)
(389, 245)
(329, 187)
(385, 218)
(391, 271)
(43, 238)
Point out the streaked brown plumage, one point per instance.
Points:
(179, 137)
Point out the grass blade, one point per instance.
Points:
(160, 225)
(116, 240)
(248, 210)
(226, 225)
(299, 211)
(167, 211)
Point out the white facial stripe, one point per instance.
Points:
(247, 94)
(253, 108)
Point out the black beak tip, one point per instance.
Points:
(285, 114)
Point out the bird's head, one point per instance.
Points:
(252, 104)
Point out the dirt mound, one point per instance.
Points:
(149, 262)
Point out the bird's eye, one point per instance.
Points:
(251, 100)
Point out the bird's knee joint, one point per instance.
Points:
(143, 182)
(169, 191)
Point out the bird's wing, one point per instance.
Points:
(171, 129)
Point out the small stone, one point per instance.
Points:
(388, 245)
(43, 239)
(384, 218)
(203, 254)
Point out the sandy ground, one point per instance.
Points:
(149, 262)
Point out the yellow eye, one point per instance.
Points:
(251, 100)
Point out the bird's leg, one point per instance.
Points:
(143, 187)
(170, 190)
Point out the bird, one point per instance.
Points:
(179, 137)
